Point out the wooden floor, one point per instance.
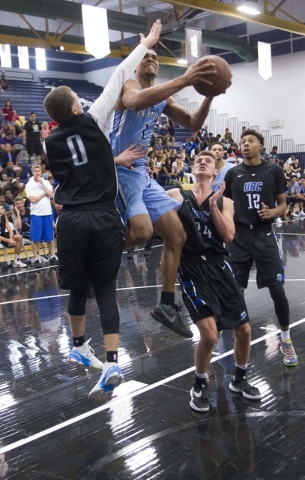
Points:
(50, 430)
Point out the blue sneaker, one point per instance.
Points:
(111, 377)
(84, 356)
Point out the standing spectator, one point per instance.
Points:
(89, 229)
(39, 192)
(45, 131)
(8, 114)
(9, 239)
(258, 189)
(32, 137)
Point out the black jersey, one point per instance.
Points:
(202, 237)
(81, 161)
(249, 186)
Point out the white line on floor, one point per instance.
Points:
(114, 401)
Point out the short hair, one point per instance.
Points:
(36, 166)
(58, 104)
(207, 153)
(217, 143)
(18, 198)
(32, 113)
(249, 131)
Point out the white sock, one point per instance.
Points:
(202, 375)
(285, 335)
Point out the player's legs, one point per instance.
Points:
(270, 273)
(242, 347)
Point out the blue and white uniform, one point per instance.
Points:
(221, 175)
(138, 193)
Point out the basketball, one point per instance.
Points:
(221, 80)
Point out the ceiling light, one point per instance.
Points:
(248, 7)
(182, 61)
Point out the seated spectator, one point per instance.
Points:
(164, 133)
(300, 186)
(273, 152)
(295, 167)
(159, 146)
(290, 160)
(166, 173)
(153, 164)
(8, 175)
(10, 239)
(287, 169)
(21, 217)
(209, 141)
(7, 138)
(291, 196)
(178, 168)
(8, 203)
(11, 155)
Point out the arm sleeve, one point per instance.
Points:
(102, 108)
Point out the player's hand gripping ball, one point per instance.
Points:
(222, 79)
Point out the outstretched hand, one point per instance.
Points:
(153, 35)
(214, 198)
(128, 156)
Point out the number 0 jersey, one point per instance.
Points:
(249, 186)
(202, 238)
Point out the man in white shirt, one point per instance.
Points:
(39, 191)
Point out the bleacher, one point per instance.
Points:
(27, 95)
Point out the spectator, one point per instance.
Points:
(9, 176)
(295, 167)
(45, 131)
(8, 138)
(209, 141)
(21, 217)
(159, 146)
(8, 114)
(10, 154)
(9, 239)
(8, 203)
(32, 137)
(273, 152)
(39, 191)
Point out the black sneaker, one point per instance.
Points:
(37, 263)
(53, 261)
(130, 254)
(245, 388)
(199, 399)
(169, 316)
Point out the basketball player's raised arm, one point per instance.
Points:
(183, 118)
(102, 108)
(136, 99)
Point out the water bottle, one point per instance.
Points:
(29, 176)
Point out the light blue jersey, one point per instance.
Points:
(129, 127)
(138, 193)
(221, 175)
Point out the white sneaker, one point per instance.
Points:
(278, 222)
(294, 215)
(111, 377)
(18, 264)
(84, 356)
(301, 213)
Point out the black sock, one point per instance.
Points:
(167, 298)
(78, 341)
(239, 374)
(200, 382)
(112, 357)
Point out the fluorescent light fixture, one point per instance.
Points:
(40, 54)
(5, 54)
(96, 34)
(248, 7)
(23, 56)
(182, 61)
